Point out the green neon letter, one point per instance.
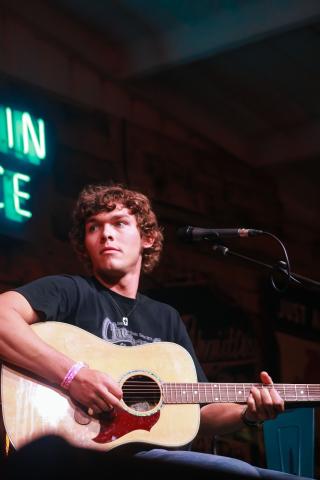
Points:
(38, 142)
(9, 127)
(1, 173)
(18, 194)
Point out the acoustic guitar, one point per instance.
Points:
(161, 396)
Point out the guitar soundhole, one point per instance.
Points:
(141, 393)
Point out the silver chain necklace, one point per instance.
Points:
(125, 318)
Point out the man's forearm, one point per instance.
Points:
(20, 346)
(220, 418)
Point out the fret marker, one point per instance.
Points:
(215, 386)
(196, 393)
(302, 392)
(216, 398)
(239, 391)
(184, 392)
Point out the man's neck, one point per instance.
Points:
(126, 286)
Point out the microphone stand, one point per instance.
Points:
(280, 266)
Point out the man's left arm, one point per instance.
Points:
(222, 418)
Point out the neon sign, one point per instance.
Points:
(22, 137)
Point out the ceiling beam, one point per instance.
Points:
(234, 25)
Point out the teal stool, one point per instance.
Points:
(289, 442)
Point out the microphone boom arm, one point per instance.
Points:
(280, 266)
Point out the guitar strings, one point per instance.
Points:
(134, 389)
(173, 392)
(203, 387)
(313, 387)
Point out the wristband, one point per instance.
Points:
(250, 423)
(71, 373)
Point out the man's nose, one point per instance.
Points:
(107, 233)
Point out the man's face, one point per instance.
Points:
(114, 244)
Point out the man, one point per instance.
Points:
(115, 232)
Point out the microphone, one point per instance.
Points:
(194, 234)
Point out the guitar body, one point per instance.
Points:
(33, 408)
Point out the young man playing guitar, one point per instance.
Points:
(115, 232)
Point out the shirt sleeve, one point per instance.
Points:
(55, 296)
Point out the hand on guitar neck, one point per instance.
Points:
(241, 405)
(263, 403)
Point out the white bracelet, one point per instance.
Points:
(71, 373)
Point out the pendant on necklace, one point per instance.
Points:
(125, 321)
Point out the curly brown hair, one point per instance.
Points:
(98, 198)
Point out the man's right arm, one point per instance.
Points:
(21, 346)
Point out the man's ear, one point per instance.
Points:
(147, 241)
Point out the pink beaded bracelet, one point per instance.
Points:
(71, 373)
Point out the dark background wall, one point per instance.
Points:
(214, 140)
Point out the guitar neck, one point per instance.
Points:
(182, 393)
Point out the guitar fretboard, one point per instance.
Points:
(235, 392)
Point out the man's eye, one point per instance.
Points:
(121, 223)
(92, 227)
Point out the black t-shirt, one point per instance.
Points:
(84, 302)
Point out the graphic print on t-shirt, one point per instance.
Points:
(120, 335)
